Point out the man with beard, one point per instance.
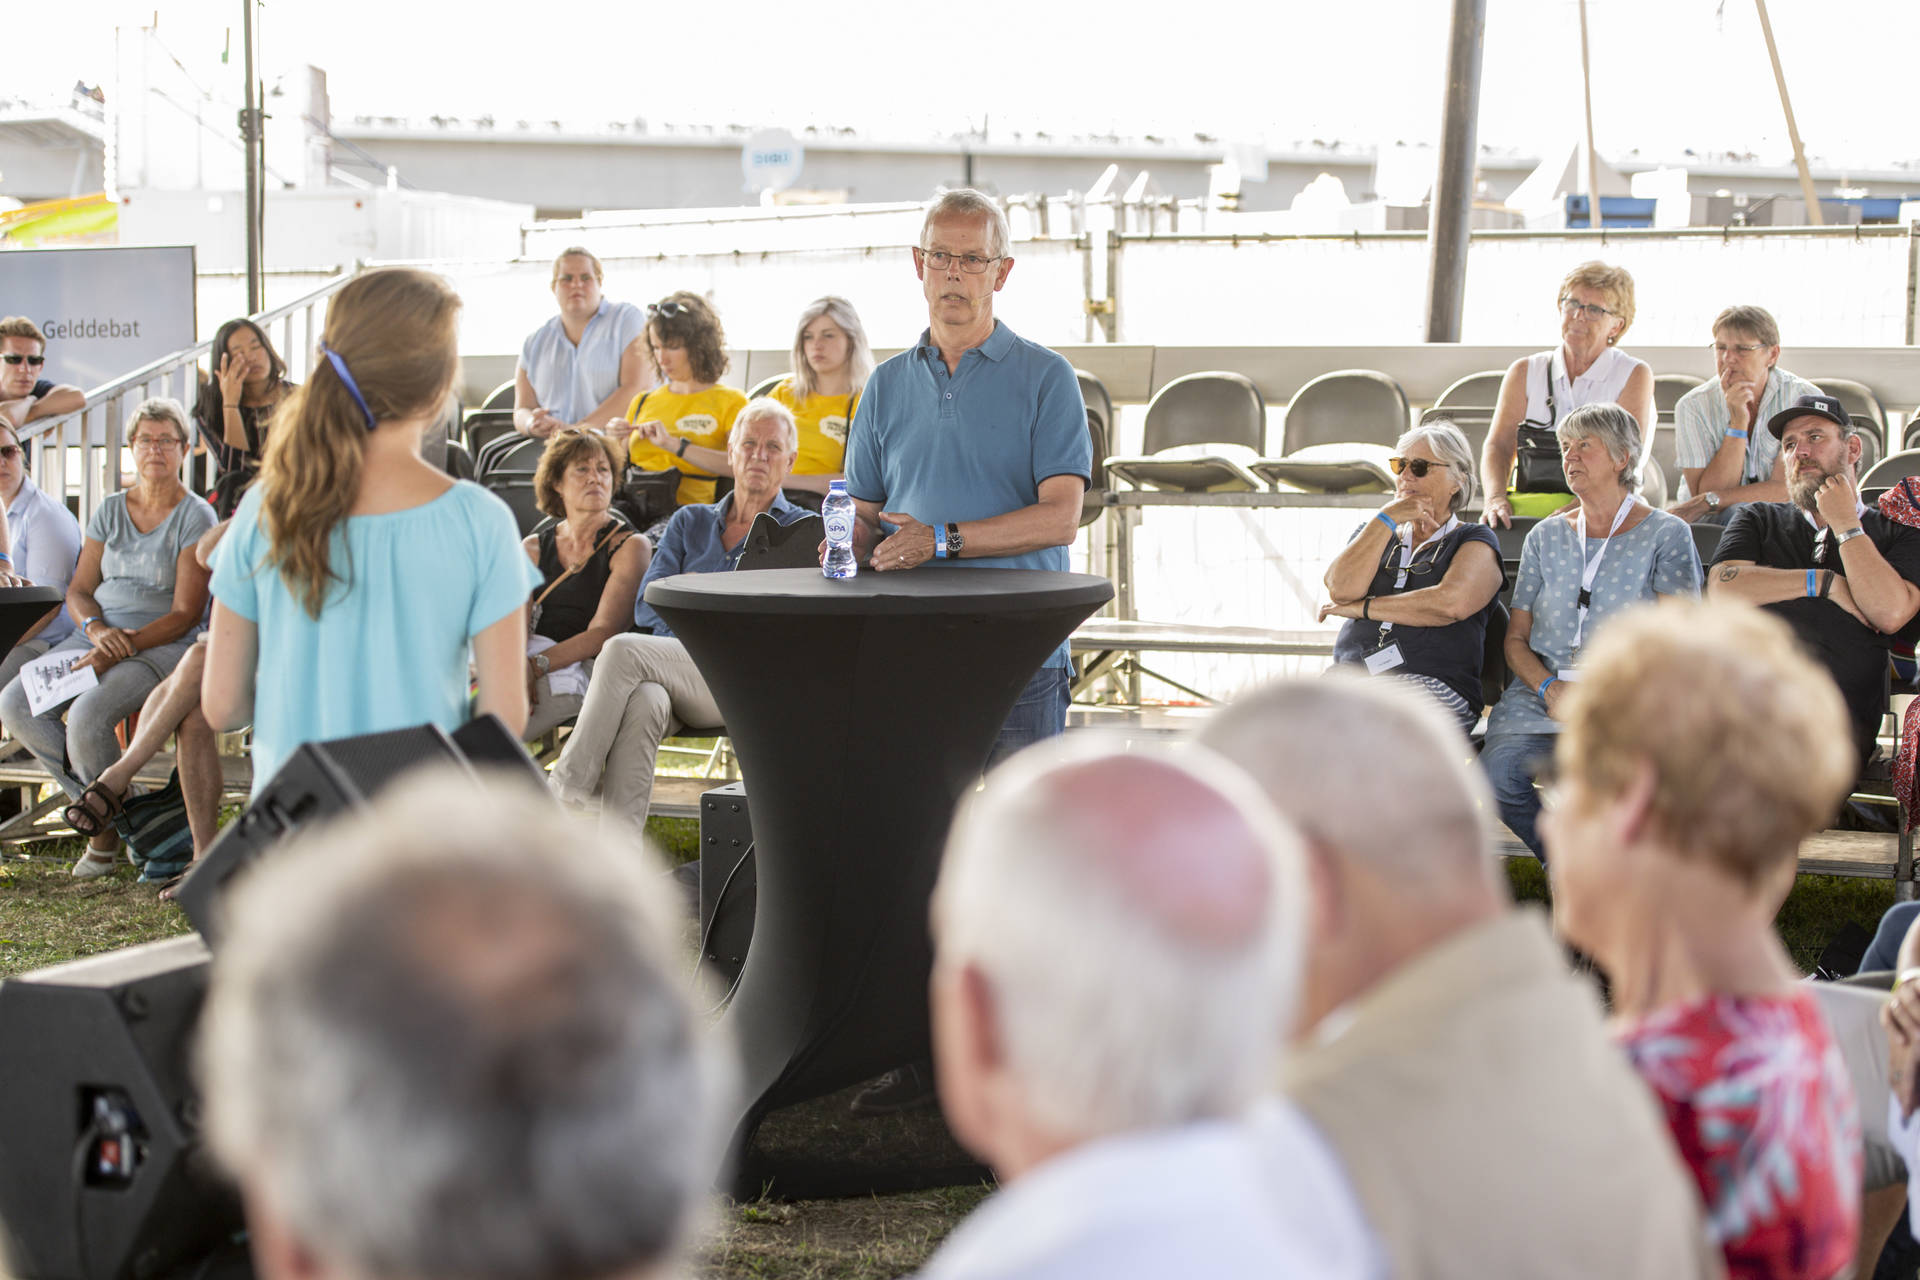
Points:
(1840, 574)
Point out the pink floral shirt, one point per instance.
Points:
(1763, 1112)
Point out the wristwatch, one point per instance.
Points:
(1712, 500)
(541, 663)
(1841, 540)
(954, 541)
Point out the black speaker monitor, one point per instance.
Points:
(322, 779)
(102, 1172)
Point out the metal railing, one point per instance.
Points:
(81, 454)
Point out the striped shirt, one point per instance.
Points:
(1701, 417)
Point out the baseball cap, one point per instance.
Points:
(1828, 407)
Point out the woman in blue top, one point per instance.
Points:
(1608, 551)
(1417, 584)
(357, 578)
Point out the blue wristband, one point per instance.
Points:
(1812, 589)
(1387, 520)
(939, 542)
(1732, 434)
(1542, 690)
(6, 557)
(87, 623)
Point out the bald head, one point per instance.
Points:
(1098, 894)
(1371, 770)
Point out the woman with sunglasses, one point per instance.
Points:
(1416, 584)
(1588, 367)
(1606, 553)
(249, 382)
(691, 410)
(831, 363)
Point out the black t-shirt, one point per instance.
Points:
(41, 388)
(1452, 653)
(1777, 535)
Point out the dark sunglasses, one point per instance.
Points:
(32, 362)
(8, 452)
(668, 309)
(1419, 466)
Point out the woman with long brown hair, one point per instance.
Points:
(357, 578)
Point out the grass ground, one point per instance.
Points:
(46, 916)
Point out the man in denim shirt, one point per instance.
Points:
(643, 686)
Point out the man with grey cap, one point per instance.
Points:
(1461, 1073)
(1118, 942)
(451, 1036)
(1842, 575)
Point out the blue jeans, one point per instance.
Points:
(1040, 713)
(1884, 953)
(1511, 760)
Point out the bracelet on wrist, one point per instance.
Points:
(1542, 690)
(1366, 609)
(1812, 586)
(1393, 526)
(682, 450)
(1735, 433)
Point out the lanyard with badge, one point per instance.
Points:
(1386, 656)
(1592, 572)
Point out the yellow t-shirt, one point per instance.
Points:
(823, 430)
(704, 418)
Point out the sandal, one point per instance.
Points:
(89, 820)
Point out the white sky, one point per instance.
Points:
(1669, 74)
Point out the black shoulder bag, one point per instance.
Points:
(1537, 467)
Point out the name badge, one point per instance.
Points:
(1568, 675)
(1385, 660)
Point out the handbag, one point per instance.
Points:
(646, 498)
(1537, 466)
(154, 825)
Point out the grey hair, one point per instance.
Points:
(449, 1036)
(859, 353)
(1617, 430)
(1449, 444)
(965, 202)
(161, 409)
(768, 407)
(1094, 994)
(1371, 770)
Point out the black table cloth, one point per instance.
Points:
(861, 710)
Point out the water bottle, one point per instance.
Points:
(837, 511)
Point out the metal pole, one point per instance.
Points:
(249, 139)
(1451, 214)
(1793, 130)
(1593, 156)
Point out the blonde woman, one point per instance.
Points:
(357, 577)
(831, 364)
(1596, 305)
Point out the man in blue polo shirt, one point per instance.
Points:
(972, 446)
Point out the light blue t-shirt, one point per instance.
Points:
(569, 381)
(971, 445)
(390, 649)
(1656, 557)
(137, 569)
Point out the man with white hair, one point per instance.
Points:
(451, 1037)
(1461, 1073)
(1118, 944)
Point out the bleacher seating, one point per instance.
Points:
(1187, 422)
(1872, 441)
(458, 463)
(1475, 391)
(1093, 393)
(484, 426)
(516, 490)
(765, 386)
(1891, 470)
(1338, 432)
(1667, 390)
(516, 453)
(501, 397)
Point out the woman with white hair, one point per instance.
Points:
(1606, 552)
(1415, 583)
